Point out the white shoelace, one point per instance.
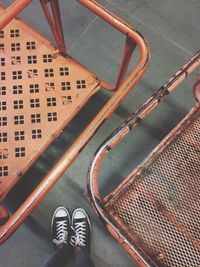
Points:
(79, 239)
(62, 233)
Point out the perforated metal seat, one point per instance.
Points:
(41, 91)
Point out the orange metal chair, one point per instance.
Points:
(154, 213)
(42, 89)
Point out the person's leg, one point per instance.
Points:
(81, 239)
(82, 258)
(60, 231)
(58, 258)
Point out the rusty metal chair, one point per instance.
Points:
(155, 212)
(42, 88)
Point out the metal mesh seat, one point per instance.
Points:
(154, 213)
(159, 204)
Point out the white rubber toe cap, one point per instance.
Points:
(79, 214)
(61, 212)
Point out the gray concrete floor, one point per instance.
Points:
(172, 30)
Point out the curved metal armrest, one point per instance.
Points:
(132, 121)
(132, 40)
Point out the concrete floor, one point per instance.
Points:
(172, 30)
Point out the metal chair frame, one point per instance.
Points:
(93, 193)
(122, 87)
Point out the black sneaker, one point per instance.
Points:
(60, 227)
(82, 228)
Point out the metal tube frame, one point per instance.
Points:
(55, 24)
(58, 170)
(92, 181)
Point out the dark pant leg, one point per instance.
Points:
(58, 258)
(82, 258)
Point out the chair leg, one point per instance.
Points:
(196, 89)
(4, 216)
